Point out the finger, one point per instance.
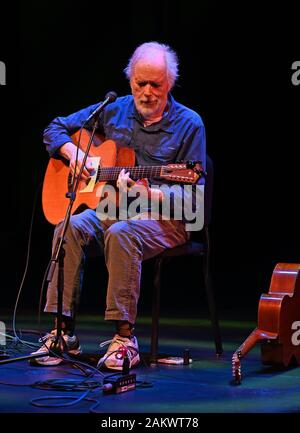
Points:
(130, 182)
(143, 181)
(89, 166)
(73, 165)
(86, 172)
(122, 176)
(84, 175)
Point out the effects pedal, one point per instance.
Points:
(117, 384)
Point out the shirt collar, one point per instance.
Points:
(165, 124)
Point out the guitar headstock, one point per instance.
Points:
(185, 172)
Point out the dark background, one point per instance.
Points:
(235, 71)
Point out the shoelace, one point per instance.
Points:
(50, 336)
(105, 343)
(47, 340)
(121, 349)
(47, 337)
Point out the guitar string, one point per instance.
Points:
(112, 173)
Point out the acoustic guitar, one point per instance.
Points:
(278, 322)
(107, 160)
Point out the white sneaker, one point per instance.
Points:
(118, 348)
(72, 346)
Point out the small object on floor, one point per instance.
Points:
(116, 384)
(175, 360)
(186, 356)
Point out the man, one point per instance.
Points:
(160, 131)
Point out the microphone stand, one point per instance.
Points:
(59, 344)
(59, 251)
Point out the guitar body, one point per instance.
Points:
(278, 321)
(279, 311)
(55, 186)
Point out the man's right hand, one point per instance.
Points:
(68, 151)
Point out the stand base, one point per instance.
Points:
(23, 358)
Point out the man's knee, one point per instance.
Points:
(118, 230)
(121, 234)
(78, 225)
(73, 223)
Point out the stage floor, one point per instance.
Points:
(203, 387)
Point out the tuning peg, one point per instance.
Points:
(192, 163)
(201, 172)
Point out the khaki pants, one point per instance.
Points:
(124, 244)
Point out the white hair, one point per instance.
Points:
(170, 56)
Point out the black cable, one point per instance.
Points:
(144, 384)
(15, 384)
(67, 384)
(26, 263)
(75, 400)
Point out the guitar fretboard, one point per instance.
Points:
(112, 173)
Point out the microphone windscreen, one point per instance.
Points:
(111, 95)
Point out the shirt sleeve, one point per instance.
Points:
(59, 131)
(187, 201)
(194, 147)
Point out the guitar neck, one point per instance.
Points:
(112, 173)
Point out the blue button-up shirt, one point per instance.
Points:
(178, 136)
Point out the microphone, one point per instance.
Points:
(109, 97)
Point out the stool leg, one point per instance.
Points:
(155, 309)
(211, 298)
